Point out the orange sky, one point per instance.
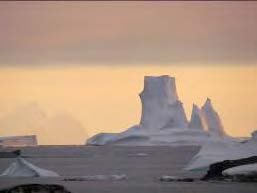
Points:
(105, 99)
(89, 58)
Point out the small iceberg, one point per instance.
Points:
(22, 168)
(98, 178)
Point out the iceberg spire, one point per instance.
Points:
(212, 119)
(197, 119)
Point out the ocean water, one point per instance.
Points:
(142, 165)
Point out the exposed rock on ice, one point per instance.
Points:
(218, 149)
(18, 141)
(163, 120)
(212, 119)
(22, 168)
(215, 171)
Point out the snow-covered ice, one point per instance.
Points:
(23, 168)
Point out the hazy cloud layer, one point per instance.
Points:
(86, 33)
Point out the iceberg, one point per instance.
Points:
(18, 141)
(163, 120)
(218, 149)
(22, 168)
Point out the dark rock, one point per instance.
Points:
(216, 169)
(36, 188)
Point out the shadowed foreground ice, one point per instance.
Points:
(142, 165)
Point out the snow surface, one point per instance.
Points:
(22, 168)
(244, 170)
(218, 149)
(163, 120)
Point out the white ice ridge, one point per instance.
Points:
(212, 119)
(163, 120)
(22, 168)
(218, 149)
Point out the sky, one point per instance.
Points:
(90, 58)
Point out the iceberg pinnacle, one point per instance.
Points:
(160, 104)
(212, 119)
(197, 120)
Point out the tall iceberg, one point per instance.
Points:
(160, 104)
(163, 120)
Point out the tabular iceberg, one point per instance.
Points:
(163, 120)
(18, 141)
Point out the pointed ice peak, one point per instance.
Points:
(23, 168)
(208, 103)
(197, 120)
(161, 88)
(212, 119)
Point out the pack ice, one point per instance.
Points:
(163, 120)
